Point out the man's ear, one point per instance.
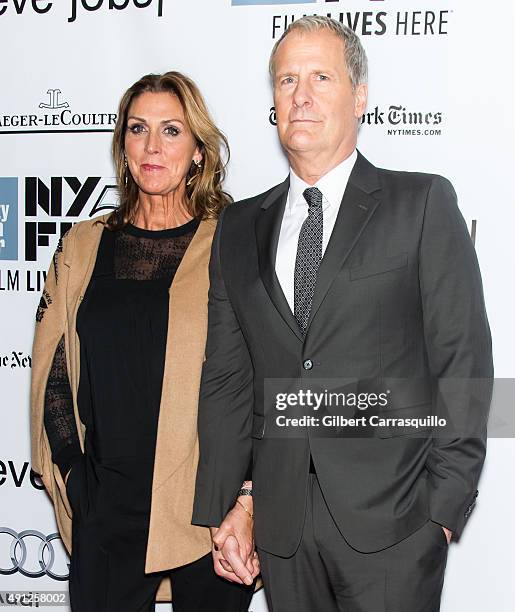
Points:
(360, 100)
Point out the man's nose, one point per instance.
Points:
(302, 96)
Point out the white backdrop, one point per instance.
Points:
(444, 57)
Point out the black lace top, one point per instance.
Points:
(122, 327)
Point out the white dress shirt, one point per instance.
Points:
(332, 185)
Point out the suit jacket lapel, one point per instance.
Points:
(356, 210)
(268, 226)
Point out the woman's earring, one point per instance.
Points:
(198, 164)
(126, 172)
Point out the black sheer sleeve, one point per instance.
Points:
(59, 417)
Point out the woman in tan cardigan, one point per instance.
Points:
(117, 357)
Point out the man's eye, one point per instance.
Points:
(323, 77)
(287, 80)
(172, 131)
(136, 128)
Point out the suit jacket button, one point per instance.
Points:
(308, 364)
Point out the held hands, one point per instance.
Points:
(234, 557)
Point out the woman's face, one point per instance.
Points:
(158, 143)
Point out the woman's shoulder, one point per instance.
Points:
(88, 226)
(82, 235)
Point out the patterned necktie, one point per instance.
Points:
(309, 256)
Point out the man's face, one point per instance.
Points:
(317, 111)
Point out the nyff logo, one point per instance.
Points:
(9, 218)
(54, 204)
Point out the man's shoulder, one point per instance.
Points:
(412, 180)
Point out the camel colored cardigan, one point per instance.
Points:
(173, 541)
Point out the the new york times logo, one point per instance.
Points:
(55, 114)
(15, 360)
(402, 121)
(53, 205)
(76, 7)
(398, 119)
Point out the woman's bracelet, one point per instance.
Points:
(246, 509)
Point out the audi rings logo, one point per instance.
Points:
(32, 554)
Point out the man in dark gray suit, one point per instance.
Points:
(367, 278)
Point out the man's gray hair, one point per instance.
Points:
(354, 53)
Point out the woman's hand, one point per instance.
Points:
(233, 551)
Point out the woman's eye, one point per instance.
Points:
(136, 128)
(172, 130)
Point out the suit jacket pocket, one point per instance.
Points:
(258, 426)
(387, 264)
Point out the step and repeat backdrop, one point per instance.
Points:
(441, 100)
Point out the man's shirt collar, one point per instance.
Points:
(332, 185)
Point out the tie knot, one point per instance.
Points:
(313, 197)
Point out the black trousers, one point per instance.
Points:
(327, 575)
(107, 568)
(115, 581)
